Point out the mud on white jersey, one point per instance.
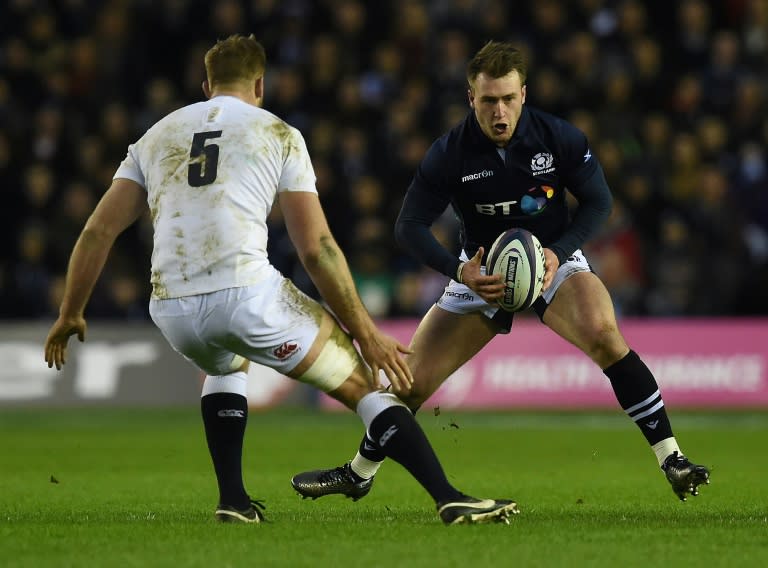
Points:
(212, 171)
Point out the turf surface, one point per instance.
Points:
(93, 487)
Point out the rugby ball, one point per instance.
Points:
(518, 257)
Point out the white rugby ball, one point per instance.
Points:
(518, 257)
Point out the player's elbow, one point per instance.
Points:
(403, 232)
(316, 253)
(309, 258)
(606, 206)
(97, 234)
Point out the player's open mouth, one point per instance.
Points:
(500, 128)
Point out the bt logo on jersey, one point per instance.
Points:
(503, 208)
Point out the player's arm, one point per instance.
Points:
(595, 202)
(321, 256)
(413, 233)
(120, 206)
(413, 230)
(426, 199)
(584, 178)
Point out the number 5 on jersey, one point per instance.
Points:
(204, 159)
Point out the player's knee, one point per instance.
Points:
(354, 388)
(427, 378)
(416, 396)
(337, 362)
(602, 340)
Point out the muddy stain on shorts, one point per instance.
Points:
(299, 303)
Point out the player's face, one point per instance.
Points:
(498, 103)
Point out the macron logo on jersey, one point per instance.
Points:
(588, 155)
(477, 175)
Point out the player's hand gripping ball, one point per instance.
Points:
(518, 257)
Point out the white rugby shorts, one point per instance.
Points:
(458, 298)
(272, 323)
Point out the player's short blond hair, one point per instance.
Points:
(497, 59)
(235, 59)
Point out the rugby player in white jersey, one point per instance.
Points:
(209, 174)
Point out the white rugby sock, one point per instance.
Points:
(664, 448)
(364, 467)
(235, 383)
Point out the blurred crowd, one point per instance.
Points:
(672, 95)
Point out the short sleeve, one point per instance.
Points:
(297, 173)
(129, 168)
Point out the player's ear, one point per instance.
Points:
(206, 89)
(470, 98)
(258, 88)
(524, 91)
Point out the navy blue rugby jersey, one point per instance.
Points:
(493, 189)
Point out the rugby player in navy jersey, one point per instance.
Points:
(509, 165)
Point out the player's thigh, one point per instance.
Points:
(582, 313)
(333, 365)
(178, 319)
(279, 326)
(442, 343)
(292, 333)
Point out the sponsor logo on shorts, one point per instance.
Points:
(459, 295)
(285, 350)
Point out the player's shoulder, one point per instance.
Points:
(548, 125)
(176, 118)
(263, 119)
(227, 113)
(453, 141)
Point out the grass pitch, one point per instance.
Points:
(90, 487)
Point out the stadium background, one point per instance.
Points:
(673, 97)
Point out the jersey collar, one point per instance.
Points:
(522, 125)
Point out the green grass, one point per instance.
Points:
(135, 488)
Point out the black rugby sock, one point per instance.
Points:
(638, 394)
(400, 437)
(371, 450)
(224, 417)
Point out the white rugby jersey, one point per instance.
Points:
(212, 171)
